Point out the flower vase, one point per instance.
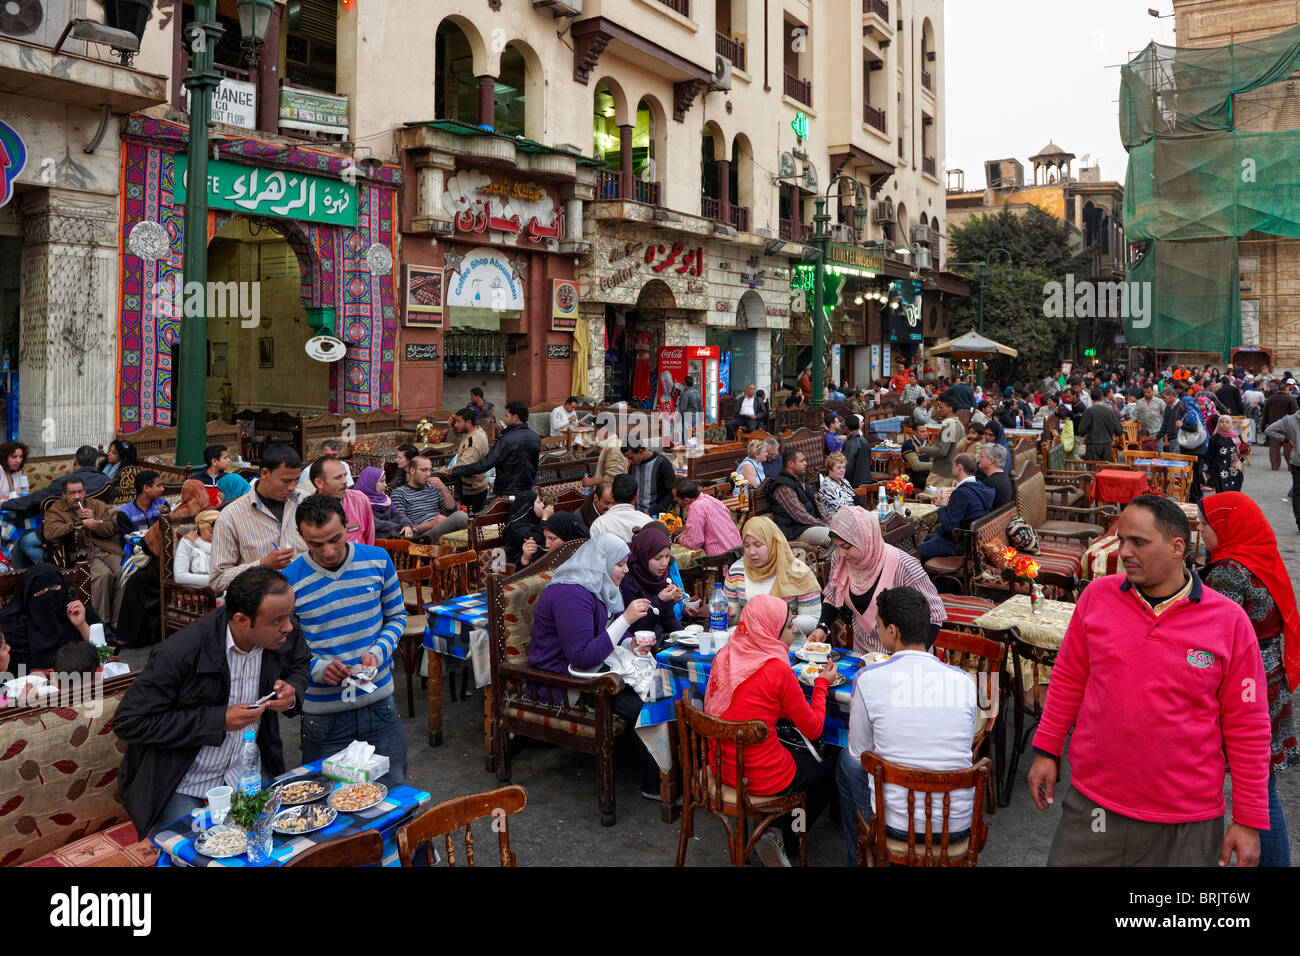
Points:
(1036, 598)
(261, 841)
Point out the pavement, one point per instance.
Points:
(561, 824)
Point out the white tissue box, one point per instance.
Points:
(369, 773)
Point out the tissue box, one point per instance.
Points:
(372, 771)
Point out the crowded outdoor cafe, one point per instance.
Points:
(851, 617)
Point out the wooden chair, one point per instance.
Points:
(360, 849)
(1053, 520)
(451, 815)
(68, 551)
(179, 604)
(1028, 701)
(416, 593)
(877, 848)
(487, 536)
(983, 660)
(699, 745)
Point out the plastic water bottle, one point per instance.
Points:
(882, 500)
(250, 765)
(718, 610)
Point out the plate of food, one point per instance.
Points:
(810, 672)
(221, 841)
(306, 788)
(875, 657)
(354, 797)
(303, 819)
(816, 652)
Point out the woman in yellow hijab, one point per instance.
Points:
(768, 566)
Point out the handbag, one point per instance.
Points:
(1194, 439)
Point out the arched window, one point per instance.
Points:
(455, 91)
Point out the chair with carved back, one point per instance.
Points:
(713, 570)
(179, 604)
(930, 847)
(459, 813)
(67, 551)
(360, 849)
(529, 702)
(983, 659)
(76, 580)
(811, 443)
(487, 535)
(899, 531)
(700, 742)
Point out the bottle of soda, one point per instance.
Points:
(718, 610)
(250, 765)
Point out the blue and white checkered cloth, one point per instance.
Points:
(449, 624)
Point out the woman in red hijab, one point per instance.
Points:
(1246, 567)
(751, 679)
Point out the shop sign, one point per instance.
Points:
(660, 257)
(692, 260)
(13, 157)
(559, 352)
(800, 124)
(234, 103)
(755, 278)
(564, 305)
(421, 351)
(271, 192)
(777, 311)
(313, 111)
(506, 211)
(486, 280)
(855, 258)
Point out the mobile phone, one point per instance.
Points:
(259, 702)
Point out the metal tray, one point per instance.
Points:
(325, 816)
(319, 778)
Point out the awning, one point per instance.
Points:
(971, 345)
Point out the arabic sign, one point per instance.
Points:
(421, 352)
(505, 211)
(485, 280)
(317, 112)
(234, 103)
(13, 157)
(272, 192)
(559, 352)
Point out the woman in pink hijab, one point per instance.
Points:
(862, 567)
(751, 679)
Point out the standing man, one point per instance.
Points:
(487, 412)
(794, 505)
(944, 448)
(564, 416)
(217, 458)
(655, 476)
(856, 453)
(1099, 428)
(428, 503)
(349, 603)
(329, 477)
(750, 415)
(913, 393)
(1277, 407)
(690, 407)
(1151, 415)
(514, 455)
(968, 500)
(184, 716)
(61, 519)
(139, 514)
(1252, 399)
(259, 527)
(473, 448)
(1153, 678)
(1287, 432)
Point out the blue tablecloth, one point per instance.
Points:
(177, 840)
(449, 624)
(1161, 463)
(894, 424)
(688, 671)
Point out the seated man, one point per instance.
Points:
(328, 476)
(622, 518)
(886, 719)
(102, 543)
(611, 462)
(751, 412)
(709, 524)
(349, 603)
(184, 716)
(993, 472)
(428, 502)
(794, 505)
(967, 501)
(564, 415)
(329, 448)
(141, 513)
(29, 550)
(218, 463)
(598, 502)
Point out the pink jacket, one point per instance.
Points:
(1156, 701)
(361, 520)
(709, 526)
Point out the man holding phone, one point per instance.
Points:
(184, 716)
(259, 528)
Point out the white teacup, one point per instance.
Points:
(646, 638)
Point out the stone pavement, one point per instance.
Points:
(561, 825)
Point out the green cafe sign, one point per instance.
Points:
(287, 194)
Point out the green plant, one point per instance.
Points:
(245, 809)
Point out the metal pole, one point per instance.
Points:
(822, 238)
(189, 392)
(984, 275)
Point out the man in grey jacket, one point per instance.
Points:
(1098, 429)
(1288, 430)
(690, 405)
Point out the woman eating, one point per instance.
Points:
(647, 577)
(1245, 566)
(581, 618)
(1222, 459)
(864, 565)
(42, 618)
(120, 454)
(751, 679)
(560, 527)
(193, 560)
(768, 566)
(835, 492)
(13, 455)
(390, 521)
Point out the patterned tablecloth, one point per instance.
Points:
(1045, 630)
(460, 539)
(450, 623)
(177, 840)
(922, 513)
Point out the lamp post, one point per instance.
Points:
(984, 278)
(822, 239)
(190, 383)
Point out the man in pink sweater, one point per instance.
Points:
(329, 476)
(1159, 677)
(709, 524)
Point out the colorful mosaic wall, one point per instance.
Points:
(332, 260)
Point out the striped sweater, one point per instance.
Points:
(344, 613)
(807, 607)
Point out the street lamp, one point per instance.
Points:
(821, 239)
(190, 391)
(984, 278)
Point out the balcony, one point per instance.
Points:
(879, 7)
(679, 6)
(733, 50)
(873, 117)
(740, 218)
(927, 81)
(792, 230)
(711, 208)
(609, 186)
(875, 20)
(798, 89)
(928, 165)
(36, 72)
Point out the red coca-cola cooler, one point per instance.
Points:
(701, 363)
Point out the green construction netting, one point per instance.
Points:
(1176, 92)
(1185, 296)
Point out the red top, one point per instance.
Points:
(771, 693)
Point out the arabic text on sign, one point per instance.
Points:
(483, 220)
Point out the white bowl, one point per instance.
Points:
(816, 652)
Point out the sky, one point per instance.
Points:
(1023, 72)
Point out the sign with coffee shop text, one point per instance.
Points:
(288, 194)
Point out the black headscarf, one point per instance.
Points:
(566, 525)
(36, 627)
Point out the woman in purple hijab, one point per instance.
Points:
(390, 522)
(647, 577)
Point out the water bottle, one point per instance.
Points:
(23, 486)
(250, 765)
(882, 500)
(718, 610)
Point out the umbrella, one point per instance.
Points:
(581, 357)
(970, 346)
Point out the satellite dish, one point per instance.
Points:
(325, 348)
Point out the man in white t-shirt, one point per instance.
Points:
(622, 519)
(751, 412)
(329, 448)
(912, 710)
(564, 416)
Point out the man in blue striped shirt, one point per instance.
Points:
(349, 604)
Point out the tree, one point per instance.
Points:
(1043, 249)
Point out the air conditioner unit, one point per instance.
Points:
(561, 8)
(922, 258)
(41, 21)
(921, 233)
(883, 214)
(842, 233)
(721, 73)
